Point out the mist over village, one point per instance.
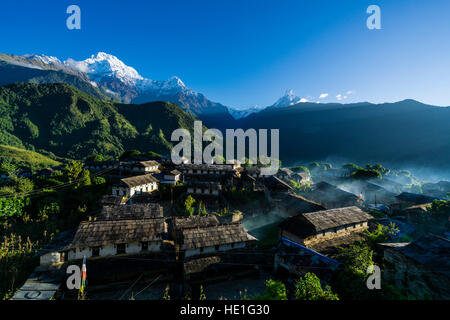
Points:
(118, 186)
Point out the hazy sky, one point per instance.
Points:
(244, 52)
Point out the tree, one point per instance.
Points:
(310, 288)
(129, 153)
(96, 158)
(75, 172)
(300, 169)
(202, 294)
(202, 209)
(366, 174)
(189, 206)
(381, 233)
(357, 257)
(275, 290)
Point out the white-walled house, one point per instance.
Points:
(171, 177)
(95, 239)
(128, 187)
(204, 188)
(309, 229)
(140, 167)
(210, 239)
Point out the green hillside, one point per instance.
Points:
(69, 123)
(25, 159)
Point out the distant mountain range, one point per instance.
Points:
(101, 106)
(104, 75)
(405, 133)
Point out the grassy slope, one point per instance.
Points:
(22, 158)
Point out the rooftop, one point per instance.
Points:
(308, 224)
(138, 180)
(107, 232)
(131, 211)
(200, 237)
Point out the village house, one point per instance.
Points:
(206, 240)
(177, 223)
(331, 196)
(130, 186)
(312, 228)
(293, 204)
(170, 177)
(103, 238)
(301, 177)
(254, 172)
(420, 268)
(407, 199)
(101, 165)
(141, 167)
(204, 188)
(275, 187)
(131, 211)
(284, 173)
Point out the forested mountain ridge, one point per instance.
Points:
(69, 123)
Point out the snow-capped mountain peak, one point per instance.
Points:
(104, 65)
(42, 58)
(288, 99)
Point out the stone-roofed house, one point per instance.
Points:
(284, 173)
(117, 237)
(204, 188)
(407, 199)
(171, 177)
(301, 177)
(131, 211)
(420, 268)
(294, 204)
(130, 186)
(309, 241)
(312, 228)
(141, 167)
(331, 196)
(215, 238)
(275, 185)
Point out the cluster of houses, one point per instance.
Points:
(141, 235)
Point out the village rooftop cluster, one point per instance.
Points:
(139, 230)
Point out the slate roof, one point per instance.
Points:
(100, 233)
(299, 203)
(327, 219)
(416, 198)
(274, 183)
(308, 224)
(149, 163)
(324, 192)
(430, 250)
(179, 223)
(138, 180)
(285, 171)
(132, 211)
(110, 200)
(200, 237)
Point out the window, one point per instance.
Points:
(96, 251)
(232, 245)
(121, 248)
(217, 247)
(201, 249)
(144, 246)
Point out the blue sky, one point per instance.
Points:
(247, 52)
